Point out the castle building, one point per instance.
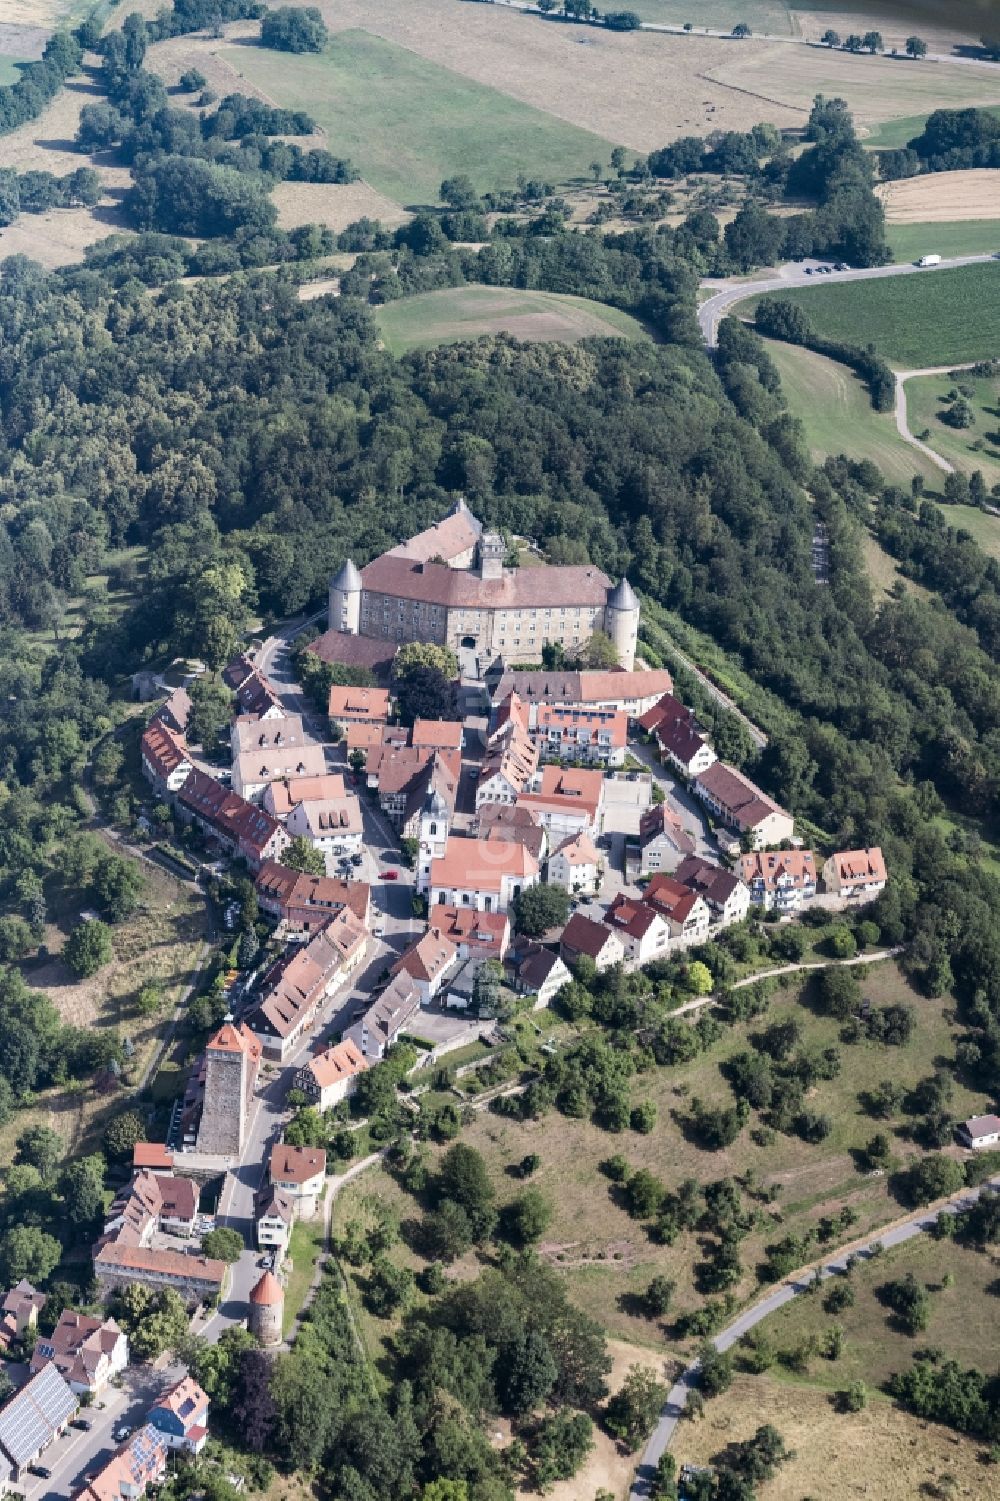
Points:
(267, 1307)
(232, 1059)
(449, 586)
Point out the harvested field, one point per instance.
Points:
(881, 1452)
(21, 42)
(334, 204)
(453, 314)
(940, 197)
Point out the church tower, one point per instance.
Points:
(344, 610)
(621, 616)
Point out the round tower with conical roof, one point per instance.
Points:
(267, 1307)
(344, 610)
(621, 616)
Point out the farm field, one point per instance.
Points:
(926, 399)
(837, 415)
(892, 133)
(881, 1452)
(944, 196)
(958, 237)
(407, 124)
(453, 314)
(913, 321)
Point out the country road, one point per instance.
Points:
(895, 1235)
(803, 274)
(902, 423)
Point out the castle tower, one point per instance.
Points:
(232, 1059)
(267, 1307)
(492, 551)
(621, 615)
(344, 610)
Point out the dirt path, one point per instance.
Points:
(902, 424)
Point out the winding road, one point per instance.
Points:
(894, 1235)
(902, 423)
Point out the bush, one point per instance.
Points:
(88, 949)
(294, 29)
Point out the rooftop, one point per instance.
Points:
(296, 1164)
(539, 588)
(481, 864)
(340, 1062)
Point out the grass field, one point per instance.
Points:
(447, 316)
(913, 321)
(926, 399)
(408, 124)
(837, 415)
(985, 529)
(10, 69)
(304, 1247)
(909, 242)
(893, 133)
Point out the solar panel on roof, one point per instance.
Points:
(187, 1406)
(31, 1418)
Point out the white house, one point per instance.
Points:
(274, 1214)
(583, 937)
(663, 840)
(299, 1172)
(576, 865)
(741, 806)
(483, 873)
(644, 932)
(331, 1076)
(429, 962)
(686, 912)
(728, 899)
(86, 1352)
(538, 971)
(375, 1031)
(332, 825)
(980, 1131)
(855, 873)
(779, 880)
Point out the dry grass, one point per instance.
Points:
(883, 571)
(943, 197)
(334, 204)
(882, 1453)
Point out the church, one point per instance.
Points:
(449, 585)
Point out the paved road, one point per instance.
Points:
(902, 424)
(797, 274)
(798, 1283)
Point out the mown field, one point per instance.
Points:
(909, 242)
(893, 133)
(837, 415)
(408, 124)
(985, 529)
(927, 399)
(914, 321)
(447, 316)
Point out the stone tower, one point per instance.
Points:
(344, 609)
(492, 551)
(232, 1059)
(621, 615)
(267, 1307)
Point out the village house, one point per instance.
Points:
(566, 800)
(20, 1311)
(299, 1172)
(86, 1352)
(631, 693)
(437, 734)
(400, 773)
(152, 1202)
(197, 1279)
(500, 821)
(511, 758)
(476, 935)
(274, 1214)
(728, 899)
(663, 841)
(332, 1075)
(272, 750)
(980, 1132)
(306, 903)
(374, 1033)
(359, 736)
(741, 806)
(180, 1416)
(297, 986)
(538, 971)
(281, 797)
(679, 735)
(597, 737)
(481, 873)
(139, 1463)
(779, 880)
(152, 1157)
(576, 865)
(855, 873)
(349, 705)
(32, 1418)
(686, 912)
(428, 962)
(255, 698)
(332, 825)
(643, 930)
(166, 763)
(582, 937)
(237, 825)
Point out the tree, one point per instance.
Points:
(630, 1414)
(254, 1410)
(390, 1287)
(854, 43)
(872, 42)
(211, 711)
(191, 80)
(424, 654)
(223, 1244)
(853, 1398)
(154, 1322)
(754, 237)
(715, 1370)
(81, 1184)
(916, 47)
(838, 992)
(600, 652)
(526, 1218)
(447, 1231)
(301, 854)
(424, 693)
(536, 909)
(527, 1373)
(909, 1302)
(27, 1251)
(698, 978)
(830, 38)
(486, 988)
(117, 885)
(741, 29)
(122, 1134)
(42, 1148)
(934, 1177)
(294, 29)
(463, 1178)
(656, 1299)
(88, 948)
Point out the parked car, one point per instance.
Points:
(390, 875)
(357, 860)
(121, 1433)
(41, 1471)
(266, 1263)
(84, 1424)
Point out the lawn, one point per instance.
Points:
(10, 69)
(304, 1248)
(937, 318)
(892, 134)
(837, 415)
(909, 242)
(408, 123)
(927, 398)
(458, 313)
(985, 529)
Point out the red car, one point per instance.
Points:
(390, 875)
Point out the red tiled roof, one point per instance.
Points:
(296, 1164)
(235, 1037)
(268, 1292)
(358, 703)
(440, 734)
(670, 897)
(585, 936)
(661, 819)
(163, 748)
(456, 588)
(171, 1263)
(744, 801)
(632, 917)
(484, 932)
(354, 651)
(481, 864)
(336, 1063)
(774, 867)
(425, 959)
(859, 867)
(151, 1154)
(710, 881)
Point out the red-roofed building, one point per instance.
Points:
(194, 1277)
(429, 961)
(563, 732)
(232, 1061)
(359, 705)
(239, 826)
(686, 912)
(139, 1463)
(643, 930)
(306, 903)
(582, 937)
(152, 1157)
(856, 873)
(727, 898)
(437, 734)
(296, 987)
(299, 1172)
(476, 935)
(566, 800)
(481, 873)
(663, 840)
(166, 764)
(740, 805)
(576, 865)
(331, 1076)
(779, 880)
(86, 1352)
(180, 1416)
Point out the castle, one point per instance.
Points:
(449, 585)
